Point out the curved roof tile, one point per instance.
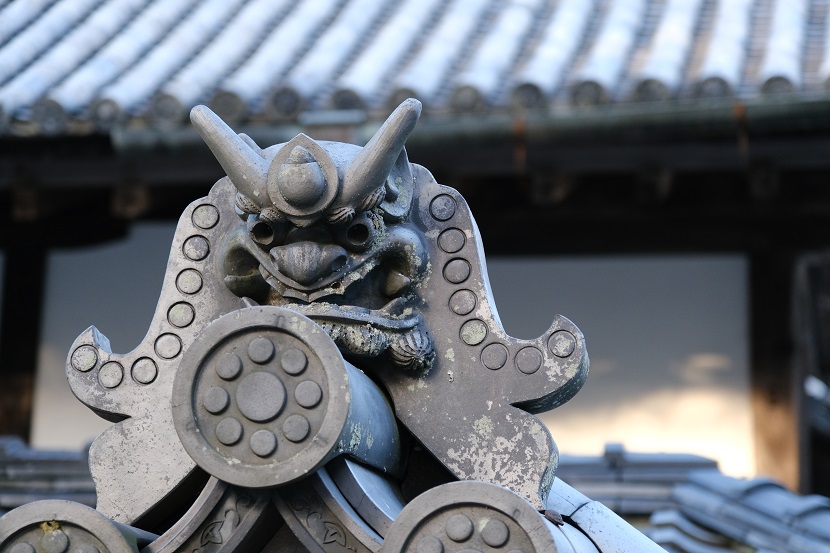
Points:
(545, 70)
(326, 58)
(476, 87)
(44, 33)
(79, 89)
(34, 81)
(595, 81)
(424, 75)
(662, 73)
(362, 83)
(231, 45)
(18, 15)
(283, 46)
(781, 69)
(137, 85)
(720, 72)
(76, 65)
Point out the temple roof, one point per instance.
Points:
(693, 507)
(83, 66)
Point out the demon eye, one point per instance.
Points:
(265, 233)
(358, 234)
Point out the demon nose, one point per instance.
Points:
(308, 262)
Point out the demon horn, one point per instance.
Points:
(370, 168)
(247, 170)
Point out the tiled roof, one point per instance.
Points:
(630, 484)
(758, 513)
(80, 65)
(694, 508)
(28, 475)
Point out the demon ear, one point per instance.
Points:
(400, 188)
(246, 168)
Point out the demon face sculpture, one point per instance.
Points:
(326, 234)
(303, 243)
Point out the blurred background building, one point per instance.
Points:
(655, 170)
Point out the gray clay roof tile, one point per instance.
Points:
(76, 65)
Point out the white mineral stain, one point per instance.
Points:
(418, 384)
(492, 461)
(450, 355)
(539, 433)
(357, 431)
(473, 333)
(484, 426)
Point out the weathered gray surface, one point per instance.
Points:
(264, 398)
(57, 526)
(313, 282)
(390, 264)
(475, 516)
(605, 528)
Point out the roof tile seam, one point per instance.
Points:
(675, 519)
(423, 75)
(568, 17)
(257, 108)
(376, 99)
(144, 108)
(385, 93)
(814, 37)
(319, 97)
(254, 80)
(82, 113)
(48, 5)
(103, 55)
(209, 91)
(590, 35)
(734, 517)
(464, 54)
(540, 20)
(132, 106)
(47, 47)
(313, 76)
(723, 59)
(760, 25)
(824, 66)
(90, 20)
(653, 15)
(604, 67)
(701, 37)
(784, 55)
(696, 16)
(535, 37)
(490, 67)
(89, 111)
(281, 17)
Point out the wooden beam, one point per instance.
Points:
(775, 395)
(23, 288)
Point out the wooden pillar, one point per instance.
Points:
(22, 302)
(775, 394)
